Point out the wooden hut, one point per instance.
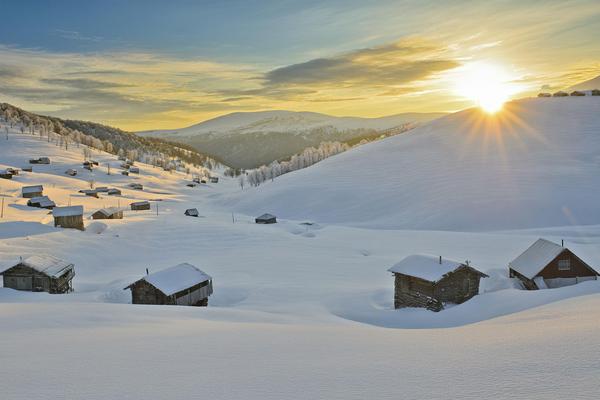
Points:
(114, 192)
(544, 95)
(577, 93)
(4, 174)
(126, 173)
(32, 191)
(71, 172)
(192, 212)
(102, 189)
(136, 186)
(266, 219)
(134, 170)
(596, 92)
(430, 282)
(41, 202)
(183, 285)
(12, 171)
(549, 265)
(108, 213)
(40, 273)
(41, 160)
(27, 169)
(88, 165)
(214, 179)
(69, 217)
(140, 205)
(560, 94)
(90, 192)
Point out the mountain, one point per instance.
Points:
(587, 85)
(249, 139)
(535, 164)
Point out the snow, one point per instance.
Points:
(425, 267)
(177, 278)
(46, 264)
(535, 164)
(68, 211)
(298, 311)
(536, 257)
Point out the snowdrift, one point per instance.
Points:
(535, 164)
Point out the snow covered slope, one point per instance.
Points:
(591, 84)
(286, 121)
(248, 140)
(533, 165)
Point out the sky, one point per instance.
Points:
(151, 64)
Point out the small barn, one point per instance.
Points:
(134, 170)
(266, 219)
(41, 202)
(4, 174)
(102, 189)
(136, 186)
(32, 191)
(546, 264)
(544, 95)
(108, 213)
(577, 93)
(140, 205)
(88, 165)
(114, 192)
(12, 171)
(27, 169)
(40, 273)
(429, 282)
(71, 172)
(126, 173)
(596, 92)
(183, 285)
(90, 192)
(191, 212)
(560, 94)
(214, 179)
(41, 160)
(69, 217)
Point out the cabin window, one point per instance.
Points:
(564, 265)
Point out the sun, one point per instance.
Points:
(487, 85)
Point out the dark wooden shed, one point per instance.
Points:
(577, 93)
(4, 174)
(32, 191)
(40, 273)
(41, 202)
(69, 217)
(266, 219)
(560, 94)
(192, 212)
(430, 282)
(113, 192)
(596, 92)
(546, 264)
(183, 285)
(108, 213)
(140, 205)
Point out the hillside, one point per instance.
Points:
(533, 165)
(247, 140)
(591, 84)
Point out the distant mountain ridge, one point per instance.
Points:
(249, 139)
(591, 84)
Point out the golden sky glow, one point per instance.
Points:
(454, 57)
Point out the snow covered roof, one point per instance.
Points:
(266, 216)
(43, 201)
(536, 258)
(109, 211)
(175, 279)
(67, 211)
(32, 189)
(139, 203)
(425, 267)
(48, 265)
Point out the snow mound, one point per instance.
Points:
(535, 164)
(96, 228)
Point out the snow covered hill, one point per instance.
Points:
(248, 140)
(535, 164)
(591, 84)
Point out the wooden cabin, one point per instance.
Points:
(546, 264)
(69, 217)
(41, 160)
(214, 179)
(41, 202)
(101, 189)
(560, 94)
(12, 171)
(40, 273)
(266, 219)
(192, 212)
(27, 169)
(577, 93)
(29, 192)
(544, 95)
(90, 192)
(71, 172)
(113, 192)
(134, 170)
(126, 173)
(430, 282)
(108, 213)
(4, 174)
(136, 186)
(596, 92)
(140, 205)
(183, 285)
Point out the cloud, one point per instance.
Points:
(74, 35)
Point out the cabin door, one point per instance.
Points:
(22, 283)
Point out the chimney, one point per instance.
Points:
(562, 242)
(147, 273)
(440, 260)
